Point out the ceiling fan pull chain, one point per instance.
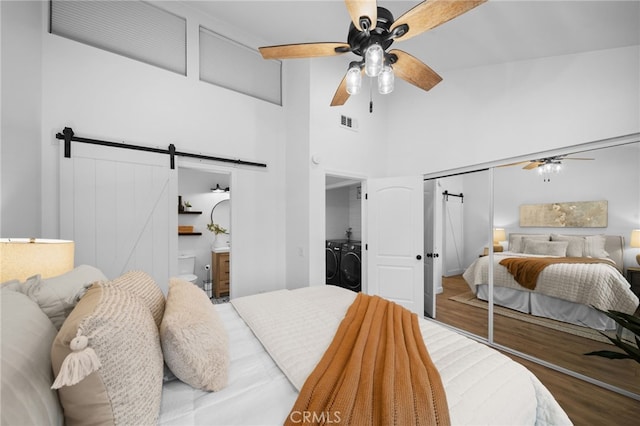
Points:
(370, 96)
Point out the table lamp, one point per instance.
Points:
(635, 242)
(21, 258)
(499, 235)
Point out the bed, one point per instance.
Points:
(563, 291)
(265, 347)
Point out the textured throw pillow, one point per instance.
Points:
(142, 285)
(108, 361)
(25, 359)
(546, 248)
(594, 246)
(57, 296)
(194, 341)
(516, 241)
(576, 244)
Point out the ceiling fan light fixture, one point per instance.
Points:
(386, 80)
(354, 80)
(373, 60)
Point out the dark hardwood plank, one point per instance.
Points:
(585, 403)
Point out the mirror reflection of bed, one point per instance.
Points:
(612, 176)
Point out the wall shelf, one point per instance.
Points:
(189, 233)
(190, 212)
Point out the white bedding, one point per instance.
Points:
(593, 284)
(482, 385)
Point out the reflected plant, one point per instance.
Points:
(626, 321)
(216, 229)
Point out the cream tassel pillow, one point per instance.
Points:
(194, 342)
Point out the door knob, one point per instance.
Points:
(418, 257)
(436, 255)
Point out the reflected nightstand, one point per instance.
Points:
(633, 276)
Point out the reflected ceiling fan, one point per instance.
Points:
(546, 166)
(371, 32)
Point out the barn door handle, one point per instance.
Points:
(418, 257)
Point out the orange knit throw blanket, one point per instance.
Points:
(525, 270)
(376, 371)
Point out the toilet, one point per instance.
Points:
(186, 268)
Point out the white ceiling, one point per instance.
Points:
(495, 32)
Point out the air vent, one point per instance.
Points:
(348, 123)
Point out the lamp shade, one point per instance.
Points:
(635, 238)
(21, 258)
(499, 234)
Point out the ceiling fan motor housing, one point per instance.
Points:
(381, 34)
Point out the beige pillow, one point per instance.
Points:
(194, 340)
(57, 296)
(576, 244)
(142, 285)
(547, 248)
(516, 241)
(114, 374)
(594, 246)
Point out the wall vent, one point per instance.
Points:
(348, 123)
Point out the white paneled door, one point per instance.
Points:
(120, 208)
(395, 240)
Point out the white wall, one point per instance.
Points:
(20, 171)
(501, 111)
(105, 96)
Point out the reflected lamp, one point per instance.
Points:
(635, 242)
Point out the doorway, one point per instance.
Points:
(343, 232)
(205, 196)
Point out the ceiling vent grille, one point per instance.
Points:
(348, 123)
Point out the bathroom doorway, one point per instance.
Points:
(204, 199)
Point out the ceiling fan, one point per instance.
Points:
(547, 161)
(546, 166)
(371, 32)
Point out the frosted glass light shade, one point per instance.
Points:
(21, 258)
(386, 80)
(354, 80)
(373, 60)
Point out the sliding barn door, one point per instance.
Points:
(120, 208)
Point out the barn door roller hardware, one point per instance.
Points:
(69, 136)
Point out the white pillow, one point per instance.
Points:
(576, 244)
(57, 296)
(547, 248)
(594, 246)
(26, 376)
(193, 338)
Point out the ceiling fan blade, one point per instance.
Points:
(431, 13)
(341, 96)
(360, 8)
(303, 50)
(533, 165)
(412, 70)
(513, 164)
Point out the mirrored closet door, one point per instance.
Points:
(578, 208)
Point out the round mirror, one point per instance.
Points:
(221, 214)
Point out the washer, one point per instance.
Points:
(333, 255)
(351, 266)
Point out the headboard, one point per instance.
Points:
(614, 245)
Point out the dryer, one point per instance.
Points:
(351, 266)
(333, 255)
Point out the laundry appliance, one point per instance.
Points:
(333, 255)
(351, 266)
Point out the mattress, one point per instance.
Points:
(482, 385)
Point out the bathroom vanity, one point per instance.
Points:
(220, 265)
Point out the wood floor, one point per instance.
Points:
(586, 404)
